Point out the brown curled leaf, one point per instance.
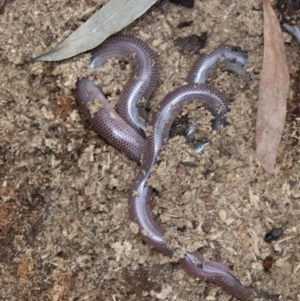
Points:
(273, 91)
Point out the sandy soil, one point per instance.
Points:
(64, 227)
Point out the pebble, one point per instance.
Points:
(223, 214)
(206, 226)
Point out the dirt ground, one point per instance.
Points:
(64, 225)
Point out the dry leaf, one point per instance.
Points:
(273, 91)
(111, 18)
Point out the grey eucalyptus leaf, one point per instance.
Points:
(111, 18)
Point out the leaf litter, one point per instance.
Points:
(66, 189)
(273, 91)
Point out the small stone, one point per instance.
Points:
(229, 178)
(206, 226)
(280, 263)
(222, 214)
(181, 170)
